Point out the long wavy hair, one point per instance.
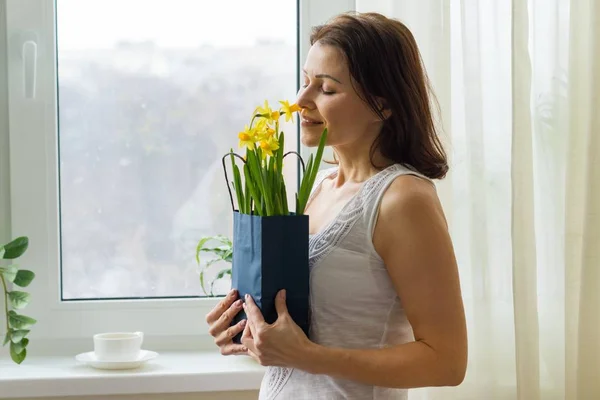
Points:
(383, 58)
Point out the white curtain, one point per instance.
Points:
(519, 85)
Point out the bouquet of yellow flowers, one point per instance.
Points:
(262, 190)
(270, 243)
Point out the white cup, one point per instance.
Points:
(118, 346)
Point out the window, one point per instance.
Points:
(117, 121)
(146, 111)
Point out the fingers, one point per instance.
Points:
(247, 337)
(233, 348)
(252, 311)
(280, 305)
(228, 334)
(220, 308)
(225, 319)
(254, 356)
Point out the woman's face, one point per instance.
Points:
(328, 99)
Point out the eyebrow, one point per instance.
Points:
(324, 76)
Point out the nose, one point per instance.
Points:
(304, 99)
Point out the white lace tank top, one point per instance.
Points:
(353, 301)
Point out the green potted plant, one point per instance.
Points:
(17, 325)
(222, 250)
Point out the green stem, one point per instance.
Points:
(5, 301)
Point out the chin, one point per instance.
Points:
(309, 141)
(310, 138)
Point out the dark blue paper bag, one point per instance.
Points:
(270, 254)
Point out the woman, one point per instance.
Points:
(386, 307)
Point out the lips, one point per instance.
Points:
(312, 121)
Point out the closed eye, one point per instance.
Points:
(326, 92)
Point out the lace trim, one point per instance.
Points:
(276, 378)
(324, 241)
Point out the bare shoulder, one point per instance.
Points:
(410, 206)
(409, 194)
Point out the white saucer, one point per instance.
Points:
(91, 360)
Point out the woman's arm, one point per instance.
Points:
(411, 236)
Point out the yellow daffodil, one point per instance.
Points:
(269, 146)
(260, 130)
(247, 138)
(263, 130)
(288, 110)
(266, 112)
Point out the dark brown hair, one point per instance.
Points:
(383, 58)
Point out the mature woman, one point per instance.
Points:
(386, 307)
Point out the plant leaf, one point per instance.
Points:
(222, 273)
(19, 299)
(17, 357)
(239, 191)
(2, 251)
(16, 248)
(253, 190)
(202, 282)
(18, 321)
(9, 273)
(24, 278)
(228, 256)
(200, 246)
(17, 336)
(219, 252)
(19, 347)
(309, 177)
(7, 338)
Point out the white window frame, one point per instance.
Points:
(32, 184)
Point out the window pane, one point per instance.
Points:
(151, 95)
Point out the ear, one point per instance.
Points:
(386, 113)
(383, 108)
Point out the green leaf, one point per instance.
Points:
(9, 273)
(2, 251)
(228, 256)
(239, 190)
(19, 347)
(17, 357)
(309, 177)
(200, 246)
(302, 194)
(222, 273)
(258, 181)
(280, 153)
(16, 248)
(24, 278)
(18, 321)
(17, 336)
(202, 282)
(220, 252)
(248, 199)
(219, 238)
(7, 338)
(19, 299)
(253, 190)
(318, 159)
(286, 209)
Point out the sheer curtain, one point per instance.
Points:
(519, 86)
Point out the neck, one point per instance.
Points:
(357, 165)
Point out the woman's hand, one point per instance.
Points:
(281, 344)
(219, 319)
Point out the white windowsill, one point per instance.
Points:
(170, 372)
